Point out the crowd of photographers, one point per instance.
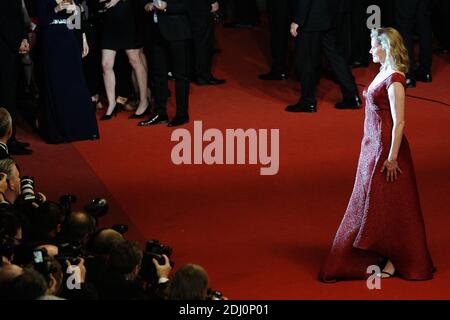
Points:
(51, 252)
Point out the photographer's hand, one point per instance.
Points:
(149, 7)
(163, 271)
(111, 4)
(42, 199)
(82, 269)
(162, 6)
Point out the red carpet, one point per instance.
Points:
(258, 237)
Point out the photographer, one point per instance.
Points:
(15, 188)
(8, 272)
(10, 235)
(3, 188)
(30, 285)
(46, 223)
(119, 280)
(189, 283)
(77, 229)
(6, 130)
(52, 272)
(99, 247)
(9, 167)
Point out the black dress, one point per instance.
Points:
(120, 26)
(67, 113)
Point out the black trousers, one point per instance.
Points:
(203, 44)
(246, 11)
(175, 54)
(416, 13)
(280, 14)
(9, 70)
(360, 34)
(441, 24)
(309, 47)
(344, 34)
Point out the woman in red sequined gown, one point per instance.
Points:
(383, 224)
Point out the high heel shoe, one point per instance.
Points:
(142, 115)
(109, 116)
(389, 271)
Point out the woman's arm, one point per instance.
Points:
(85, 46)
(396, 94)
(397, 101)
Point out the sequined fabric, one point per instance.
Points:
(383, 219)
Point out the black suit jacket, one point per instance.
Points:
(201, 7)
(173, 24)
(4, 154)
(317, 15)
(12, 25)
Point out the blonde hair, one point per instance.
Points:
(393, 45)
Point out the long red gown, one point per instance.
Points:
(383, 219)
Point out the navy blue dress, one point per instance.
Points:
(67, 113)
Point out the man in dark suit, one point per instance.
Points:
(13, 41)
(170, 34)
(315, 27)
(202, 23)
(411, 15)
(441, 25)
(360, 35)
(5, 132)
(280, 15)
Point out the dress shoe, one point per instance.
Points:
(154, 120)
(18, 150)
(178, 121)
(302, 107)
(423, 77)
(442, 50)
(209, 82)
(271, 76)
(349, 103)
(410, 83)
(20, 143)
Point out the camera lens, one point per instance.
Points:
(27, 188)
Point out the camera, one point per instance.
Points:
(66, 202)
(69, 252)
(154, 250)
(97, 208)
(38, 256)
(120, 228)
(214, 295)
(27, 190)
(42, 263)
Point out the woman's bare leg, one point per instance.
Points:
(108, 58)
(141, 75)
